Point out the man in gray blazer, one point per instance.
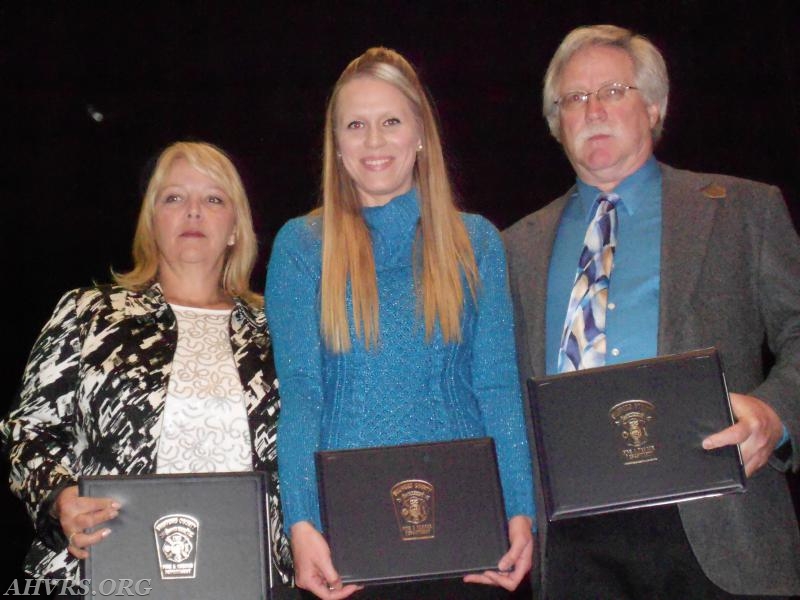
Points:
(695, 260)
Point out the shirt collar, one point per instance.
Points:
(637, 188)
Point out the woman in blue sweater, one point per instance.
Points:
(390, 314)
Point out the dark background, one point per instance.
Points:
(90, 92)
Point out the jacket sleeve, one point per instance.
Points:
(38, 434)
(778, 286)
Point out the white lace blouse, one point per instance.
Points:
(204, 427)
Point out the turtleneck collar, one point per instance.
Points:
(400, 211)
(393, 227)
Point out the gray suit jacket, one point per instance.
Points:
(730, 278)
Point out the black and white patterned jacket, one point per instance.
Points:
(92, 400)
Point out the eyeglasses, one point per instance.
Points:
(607, 94)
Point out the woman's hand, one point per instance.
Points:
(78, 513)
(313, 567)
(516, 563)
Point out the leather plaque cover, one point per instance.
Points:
(412, 512)
(199, 536)
(629, 435)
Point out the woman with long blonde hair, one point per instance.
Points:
(391, 316)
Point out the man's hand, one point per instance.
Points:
(757, 431)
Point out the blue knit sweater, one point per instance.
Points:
(406, 389)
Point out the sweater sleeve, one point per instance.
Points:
(292, 293)
(495, 374)
(39, 432)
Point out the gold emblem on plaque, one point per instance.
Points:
(413, 501)
(633, 419)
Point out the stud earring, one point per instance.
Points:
(232, 239)
(419, 147)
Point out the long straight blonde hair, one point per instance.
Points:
(446, 253)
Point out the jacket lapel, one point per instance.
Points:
(250, 347)
(687, 220)
(534, 287)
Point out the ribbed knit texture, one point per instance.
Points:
(406, 389)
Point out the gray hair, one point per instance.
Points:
(651, 70)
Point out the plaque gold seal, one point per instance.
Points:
(633, 419)
(176, 546)
(413, 501)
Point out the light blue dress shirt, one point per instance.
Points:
(632, 315)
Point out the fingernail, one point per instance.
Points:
(116, 505)
(707, 445)
(105, 532)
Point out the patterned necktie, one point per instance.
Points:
(583, 342)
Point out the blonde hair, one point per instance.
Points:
(446, 252)
(650, 69)
(240, 258)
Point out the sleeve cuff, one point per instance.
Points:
(784, 438)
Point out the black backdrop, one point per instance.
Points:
(90, 92)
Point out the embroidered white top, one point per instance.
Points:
(204, 427)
